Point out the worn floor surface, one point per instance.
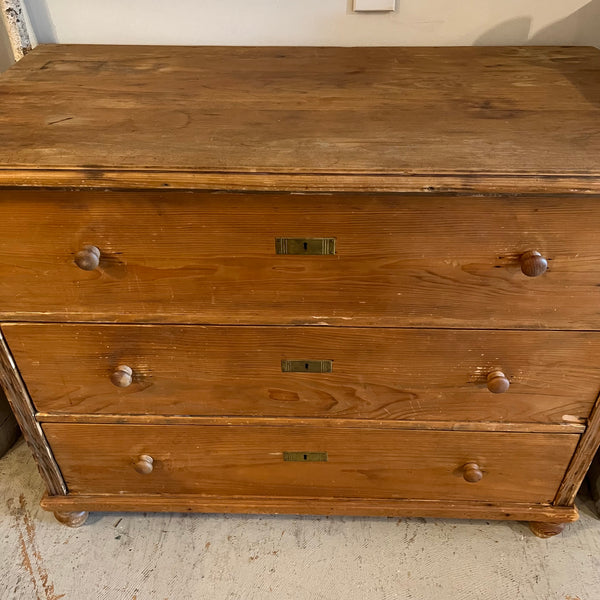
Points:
(215, 557)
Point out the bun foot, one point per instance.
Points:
(72, 519)
(546, 530)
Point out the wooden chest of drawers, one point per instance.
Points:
(304, 280)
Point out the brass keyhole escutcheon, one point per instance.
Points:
(306, 366)
(305, 246)
(305, 456)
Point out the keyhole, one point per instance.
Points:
(306, 366)
(305, 246)
(306, 457)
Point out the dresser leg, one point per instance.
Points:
(546, 530)
(72, 519)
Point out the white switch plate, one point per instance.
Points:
(374, 5)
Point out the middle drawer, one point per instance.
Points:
(544, 376)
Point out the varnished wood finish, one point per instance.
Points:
(144, 465)
(546, 529)
(367, 462)
(497, 382)
(88, 258)
(140, 204)
(22, 407)
(562, 428)
(396, 118)
(122, 376)
(210, 258)
(71, 519)
(377, 374)
(533, 264)
(376, 507)
(472, 473)
(300, 183)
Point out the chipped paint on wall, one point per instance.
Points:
(16, 26)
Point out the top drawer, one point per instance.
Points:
(203, 257)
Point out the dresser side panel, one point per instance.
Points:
(24, 411)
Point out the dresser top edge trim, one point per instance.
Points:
(428, 184)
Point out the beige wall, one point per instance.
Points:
(316, 22)
(6, 55)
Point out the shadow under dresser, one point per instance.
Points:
(354, 281)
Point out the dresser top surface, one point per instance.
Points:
(459, 119)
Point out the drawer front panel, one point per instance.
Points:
(368, 463)
(350, 373)
(212, 258)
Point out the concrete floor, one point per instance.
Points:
(218, 557)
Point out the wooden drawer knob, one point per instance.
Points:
(144, 464)
(122, 376)
(472, 473)
(533, 263)
(88, 258)
(497, 382)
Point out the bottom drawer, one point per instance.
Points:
(230, 460)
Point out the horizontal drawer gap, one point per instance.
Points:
(103, 322)
(137, 180)
(568, 428)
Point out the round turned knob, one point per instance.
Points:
(122, 376)
(472, 473)
(497, 382)
(88, 258)
(533, 263)
(144, 464)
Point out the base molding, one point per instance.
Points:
(368, 507)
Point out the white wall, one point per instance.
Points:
(316, 22)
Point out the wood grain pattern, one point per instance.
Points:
(396, 112)
(147, 407)
(329, 422)
(362, 463)
(210, 258)
(377, 374)
(22, 407)
(376, 507)
(299, 183)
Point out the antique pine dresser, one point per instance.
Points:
(355, 281)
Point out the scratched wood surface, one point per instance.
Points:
(376, 374)
(392, 118)
(325, 422)
(187, 556)
(307, 505)
(518, 121)
(210, 258)
(362, 463)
